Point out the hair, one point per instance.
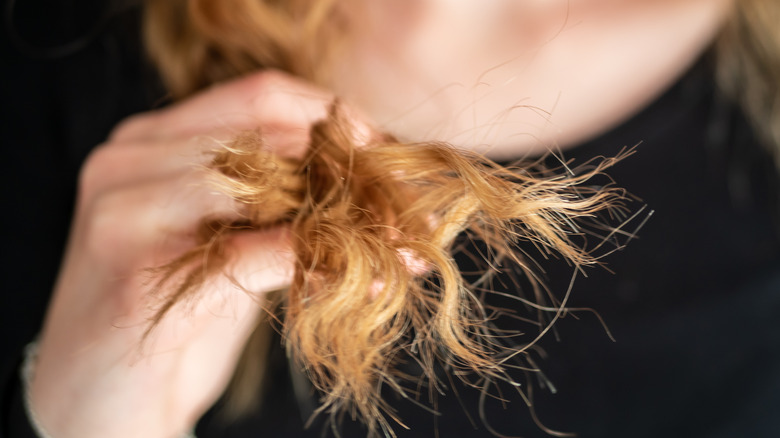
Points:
(358, 215)
(748, 66)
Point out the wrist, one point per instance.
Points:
(27, 374)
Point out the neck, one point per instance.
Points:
(522, 80)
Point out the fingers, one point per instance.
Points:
(151, 145)
(147, 217)
(259, 262)
(149, 182)
(115, 165)
(146, 191)
(267, 99)
(167, 141)
(142, 198)
(265, 260)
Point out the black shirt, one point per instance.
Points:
(694, 301)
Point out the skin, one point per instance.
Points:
(510, 78)
(141, 193)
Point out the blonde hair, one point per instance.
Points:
(357, 214)
(748, 57)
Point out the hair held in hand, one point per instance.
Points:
(372, 224)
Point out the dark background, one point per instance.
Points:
(694, 304)
(66, 81)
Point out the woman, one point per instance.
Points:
(510, 55)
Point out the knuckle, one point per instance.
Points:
(132, 127)
(96, 168)
(268, 79)
(125, 129)
(266, 102)
(108, 163)
(276, 97)
(108, 223)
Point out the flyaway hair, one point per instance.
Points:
(373, 228)
(374, 225)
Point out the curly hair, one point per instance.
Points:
(359, 214)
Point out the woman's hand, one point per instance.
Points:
(141, 196)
